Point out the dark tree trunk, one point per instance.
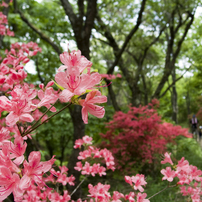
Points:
(174, 99)
(82, 32)
(136, 99)
(188, 102)
(146, 99)
(79, 132)
(173, 45)
(118, 54)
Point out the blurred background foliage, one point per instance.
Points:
(162, 59)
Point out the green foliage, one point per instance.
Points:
(168, 195)
(96, 126)
(56, 137)
(190, 149)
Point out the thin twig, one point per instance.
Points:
(29, 131)
(162, 190)
(78, 186)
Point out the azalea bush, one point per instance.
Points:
(139, 136)
(30, 178)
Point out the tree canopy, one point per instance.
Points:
(151, 43)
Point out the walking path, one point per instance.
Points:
(196, 137)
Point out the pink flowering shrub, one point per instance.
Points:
(3, 22)
(139, 136)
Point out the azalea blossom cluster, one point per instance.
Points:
(92, 153)
(44, 193)
(74, 82)
(20, 102)
(12, 67)
(101, 193)
(148, 132)
(189, 177)
(18, 176)
(4, 30)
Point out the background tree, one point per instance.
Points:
(142, 40)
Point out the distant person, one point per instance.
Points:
(194, 123)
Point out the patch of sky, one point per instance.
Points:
(185, 69)
(30, 67)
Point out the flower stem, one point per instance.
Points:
(27, 132)
(33, 128)
(78, 186)
(162, 190)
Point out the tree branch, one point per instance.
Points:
(172, 55)
(105, 42)
(179, 44)
(117, 51)
(132, 32)
(173, 83)
(39, 32)
(90, 17)
(81, 10)
(153, 42)
(69, 12)
(162, 190)
(112, 96)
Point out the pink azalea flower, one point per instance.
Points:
(138, 181)
(183, 165)
(167, 159)
(107, 155)
(4, 134)
(62, 179)
(130, 197)
(128, 180)
(78, 166)
(116, 196)
(74, 59)
(17, 149)
(20, 105)
(78, 143)
(63, 169)
(195, 173)
(34, 169)
(99, 192)
(48, 97)
(9, 183)
(37, 115)
(141, 197)
(87, 169)
(183, 179)
(19, 115)
(87, 139)
(101, 171)
(85, 154)
(70, 180)
(5, 160)
(5, 103)
(88, 105)
(75, 83)
(168, 174)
